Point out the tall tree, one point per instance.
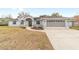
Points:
(56, 15)
(23, 15)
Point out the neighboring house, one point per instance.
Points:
(4, 21)
(47, 21)
(76, 18)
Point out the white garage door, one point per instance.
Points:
(55, 23)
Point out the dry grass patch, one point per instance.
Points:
(21, 39)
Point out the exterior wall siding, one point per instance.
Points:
(38, 25)
(11, 23)
(55, 22)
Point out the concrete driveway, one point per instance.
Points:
(63, 39)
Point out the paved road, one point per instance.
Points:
(63, 39)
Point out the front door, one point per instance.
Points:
(29, 20)
(29, 23)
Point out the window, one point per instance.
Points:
(22, 21)
(37, 22)
(14, 22)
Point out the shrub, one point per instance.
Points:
(22, 27)
(37, 28)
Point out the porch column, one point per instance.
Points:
(33, 22)
(44, 23)
(26, 23)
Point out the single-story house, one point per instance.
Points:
(76, 18)
(44, 22)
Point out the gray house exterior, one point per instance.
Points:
(44, 22)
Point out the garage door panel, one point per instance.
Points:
(55, 24)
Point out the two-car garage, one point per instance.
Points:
(51, 22)
(55, 23)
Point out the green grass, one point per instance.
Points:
(75, 27)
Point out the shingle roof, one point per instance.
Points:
(53, 18)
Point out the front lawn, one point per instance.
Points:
(21, 39)
(75, 27)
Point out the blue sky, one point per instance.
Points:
(67, 12)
